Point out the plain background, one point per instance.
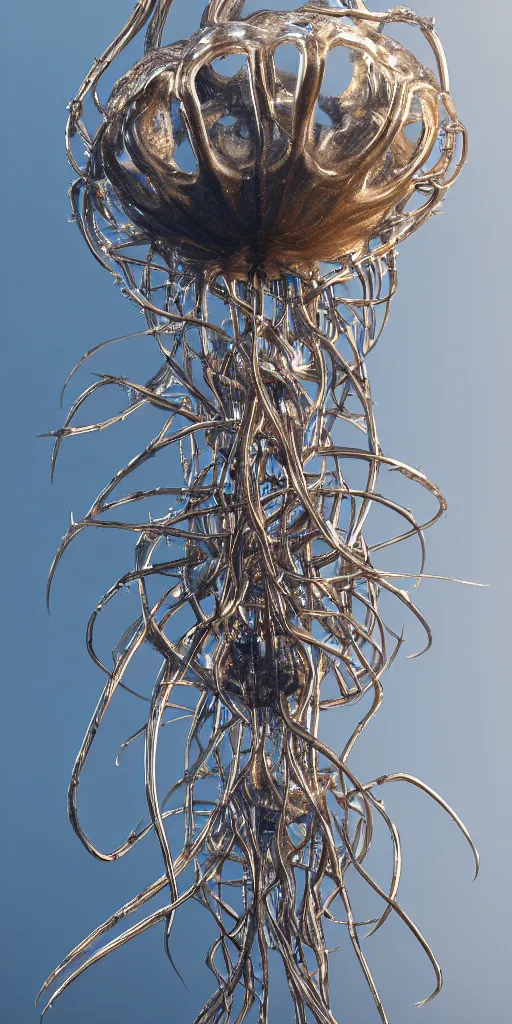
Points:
(441, 381)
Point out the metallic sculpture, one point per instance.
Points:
(264, 269)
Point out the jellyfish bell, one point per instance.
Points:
(278, 172)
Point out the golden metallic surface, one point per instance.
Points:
(286, 174)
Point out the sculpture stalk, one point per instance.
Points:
(263, 322)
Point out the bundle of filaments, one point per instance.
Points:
(253, 215)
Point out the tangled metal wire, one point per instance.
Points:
(264, 271)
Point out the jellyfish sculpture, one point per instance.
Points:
(250, 204)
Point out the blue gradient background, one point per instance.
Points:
(441, 380)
